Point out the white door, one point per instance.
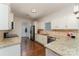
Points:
(25, 33)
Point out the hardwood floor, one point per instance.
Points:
(31, 48)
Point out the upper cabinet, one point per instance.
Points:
(5, 17)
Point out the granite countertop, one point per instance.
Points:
(10, 41)
(65, 46)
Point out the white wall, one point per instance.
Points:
(64, 18)
(19, 26)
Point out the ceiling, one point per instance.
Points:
(41, 9)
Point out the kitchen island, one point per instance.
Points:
(64, 47)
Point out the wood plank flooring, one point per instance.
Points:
(31, 48)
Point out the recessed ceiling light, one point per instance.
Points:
(33, 11)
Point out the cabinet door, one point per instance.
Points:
(10, 51)
(4, 11)
(40, 39)
(44, 38)
(37, 37)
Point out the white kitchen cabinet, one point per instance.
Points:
(4, 17)
(37, 37)
(42, 39)
(45, 40)
(10, 50)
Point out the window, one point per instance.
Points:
(48, 26)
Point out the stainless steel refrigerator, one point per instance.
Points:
(32, 33)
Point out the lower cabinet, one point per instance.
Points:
(10, 50)
(50, 52)
(37, 37)
(42, 39)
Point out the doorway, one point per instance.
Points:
(25, 30)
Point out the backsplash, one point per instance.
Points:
(1, 35)
(60, 33)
